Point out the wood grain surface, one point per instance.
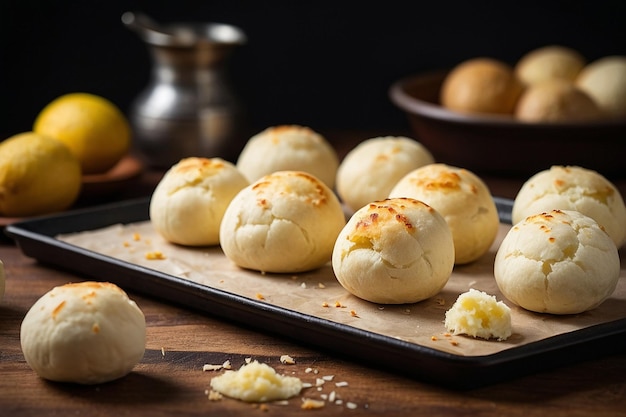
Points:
(170, 381)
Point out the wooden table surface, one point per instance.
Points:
(170, 380)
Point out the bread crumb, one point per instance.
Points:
(351, 406)
(163, 351)
(214, 395)
(341, 384)
(286, 359)
(260, 296)
(353, 313)
(324, 304)
(332, 396)
(208, 367)
(303, 285)
(433, 338)
(156, 255)
(136, 237)
(320, 285)
(311, 404)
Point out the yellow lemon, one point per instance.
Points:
(38, 175)
(92, 127)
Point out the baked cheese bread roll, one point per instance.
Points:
(371, 169)
(481, 85)
(573, 188)
(289, 148)
(87, 333)
(394, 251)
(189, 202)
(462, 198)
(549, 63)
(558, 262)
(605, 81)
(286, 221)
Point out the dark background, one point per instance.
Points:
(324, 64)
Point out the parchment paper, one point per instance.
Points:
(318, 293)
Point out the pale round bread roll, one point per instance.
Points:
(573, 188)
(481, 85)
(86, 333)
(549, 63)
(371, 169)
(394, 251)
(555, 101)
(605, 81)
(289, 148)
(463, 200)
(285, 222)
(189, 202)
(558, 262)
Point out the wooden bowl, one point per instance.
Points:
(501, 145)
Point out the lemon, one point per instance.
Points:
(92, 127)
(38, 175)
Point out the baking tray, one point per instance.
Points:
(39, 238)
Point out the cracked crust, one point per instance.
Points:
(558, 262)
(574, 188)
(463, 200)
(394, 251)
(284, 222)
(188, 203)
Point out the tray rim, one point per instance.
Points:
(36, 238)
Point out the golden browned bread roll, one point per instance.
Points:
(286, 221)
(481, 85)
(463, 200)
(574, 188)
(394, 251)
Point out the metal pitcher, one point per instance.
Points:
(189, 107)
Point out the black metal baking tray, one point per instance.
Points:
(36, 238)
